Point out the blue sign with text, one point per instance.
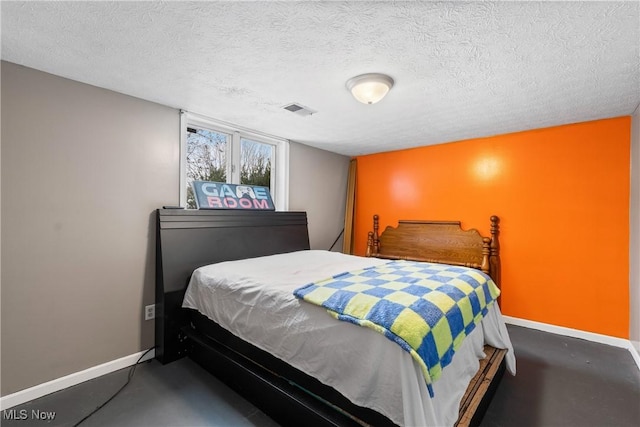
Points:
(219, 195)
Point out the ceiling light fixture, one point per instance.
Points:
(370, 88)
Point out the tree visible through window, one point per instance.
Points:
(255, 163)
(206, 159)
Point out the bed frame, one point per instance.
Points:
(188, 239)
(446, 242)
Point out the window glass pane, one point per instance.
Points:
(255, 163)
(206, 158)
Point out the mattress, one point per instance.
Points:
(253, 299)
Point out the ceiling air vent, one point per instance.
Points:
(299, 109)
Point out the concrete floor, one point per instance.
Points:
(560, 382)
(564, 381)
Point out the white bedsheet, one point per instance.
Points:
(254, 300)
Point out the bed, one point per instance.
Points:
(286, 384)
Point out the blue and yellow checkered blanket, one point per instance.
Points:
(428, 309)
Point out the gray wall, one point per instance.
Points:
(634, 231)
(318, 184)
(83, 169)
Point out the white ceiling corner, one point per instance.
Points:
(461, 69)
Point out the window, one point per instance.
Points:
(256, 159)
(206, 158)
(216, 151)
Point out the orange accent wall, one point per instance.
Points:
(562, 195)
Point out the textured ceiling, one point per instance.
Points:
(462, 69)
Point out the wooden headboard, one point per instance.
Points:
(443, 242)
(188, 239)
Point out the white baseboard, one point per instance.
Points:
(634, 353)
(58, 384)
(576, 333)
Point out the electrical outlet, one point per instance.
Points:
(150, 312)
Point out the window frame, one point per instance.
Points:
(280, 160)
